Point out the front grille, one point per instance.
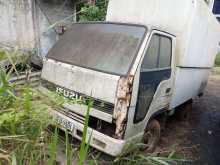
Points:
(104, 107)
(97, 104)
(72, 115)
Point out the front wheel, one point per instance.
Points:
(152, 135)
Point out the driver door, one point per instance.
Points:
(155, 80)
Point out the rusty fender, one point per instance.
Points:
(122, 104)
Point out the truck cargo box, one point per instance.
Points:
(197, 37)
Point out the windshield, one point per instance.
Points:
(105, 47)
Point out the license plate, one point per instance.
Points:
(65, 123)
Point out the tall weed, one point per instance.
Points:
(24, 119)
(217, 61)
(84, 147)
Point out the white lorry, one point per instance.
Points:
(148, 59)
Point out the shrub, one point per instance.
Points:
(217, 61)
(95, 12)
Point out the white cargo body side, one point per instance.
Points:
(197, 32)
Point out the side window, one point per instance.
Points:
(159, 53)
(165, 52)
(151, 57)
(216, 8)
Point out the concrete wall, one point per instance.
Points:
(46, 37)
(26, 24)
(49, 12)
(16, 23)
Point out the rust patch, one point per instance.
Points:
(122, 104)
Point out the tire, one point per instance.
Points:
(184, 111)
(152, 135)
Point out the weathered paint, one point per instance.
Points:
(99, 141)
(81, 109)
(88, 82)
(190, 21)
(148, 85)
(190, 86)
(122, 104)
(161, 99)
(116, 89)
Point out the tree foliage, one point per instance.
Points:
(94, 12)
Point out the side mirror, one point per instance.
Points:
(61, 29)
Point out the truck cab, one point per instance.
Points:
(145, 61)
(124, 68)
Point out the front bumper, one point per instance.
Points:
(102, 142)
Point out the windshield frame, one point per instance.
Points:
(109, 72)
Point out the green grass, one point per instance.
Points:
(84, 148)
(217, 61)
(139, 156)
(2, 55)
(24, 119)
(144, 159)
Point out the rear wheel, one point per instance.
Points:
(184, 111)
(152, 135)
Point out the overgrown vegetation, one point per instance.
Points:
(217, 61)
(2, 55)
(24, 135)
(24, 119)
(24, 123)
(94, 12)
(148, 159)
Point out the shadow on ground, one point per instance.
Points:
(199, 138)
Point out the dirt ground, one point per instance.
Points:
(197, 139)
